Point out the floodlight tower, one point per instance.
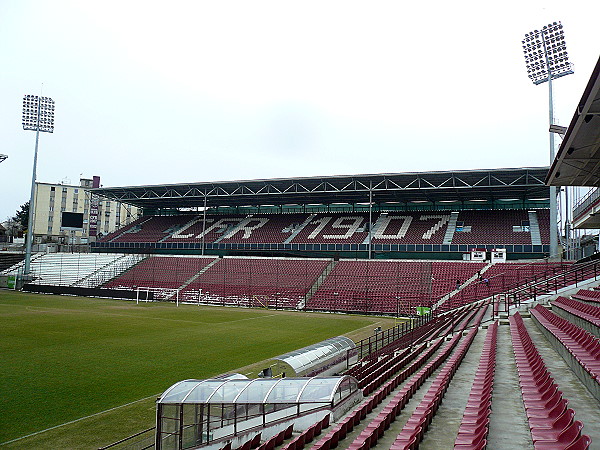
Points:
(3, 157)
(38, 115)
(547, 59)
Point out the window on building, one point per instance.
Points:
(64, 190)
(49, 229)
(52, 189)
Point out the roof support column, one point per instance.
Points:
(203, 222)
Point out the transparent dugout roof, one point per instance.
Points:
(305, 358)
(259, 390)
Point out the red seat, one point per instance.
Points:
(567, 437)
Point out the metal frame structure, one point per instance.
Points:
(3, 157)
(458, 186)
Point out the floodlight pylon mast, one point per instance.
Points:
(38, 115)
(554, 63)
(29, 241)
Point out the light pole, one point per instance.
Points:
(38, 115)
(3, 157)
(546, 58)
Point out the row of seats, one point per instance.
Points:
(65, 269)
(307, 435)
(391, 379)
(589, 313)
(159, 272)
(270, 444)
(494, 227)
(552, 425)
(339, 432)
(416, 426)
(583, 346)
(480, 227)
(504, 276)
(588, 295)
(474, 426)
(391, 287)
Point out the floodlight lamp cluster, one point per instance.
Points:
(545, 53)
(38, 113)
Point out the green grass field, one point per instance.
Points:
(65, 358)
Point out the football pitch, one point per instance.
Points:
(88, 370)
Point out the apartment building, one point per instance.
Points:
(100, 216)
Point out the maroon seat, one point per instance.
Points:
(567, 437)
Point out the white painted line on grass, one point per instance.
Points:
(77, 420)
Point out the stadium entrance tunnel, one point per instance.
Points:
(211, 413)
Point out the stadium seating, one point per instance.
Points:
(389, 287)
(334, 228)
(151, 229)
(587, 295)
(266, 229)
(492, 227)
(160, 272)
(504, 276)
(478, 409)
(261, 282)
(67, 269)
(583, 347)
(411, 228)
(583, 311)
(478, 228)
(419, 421)
(552, 425)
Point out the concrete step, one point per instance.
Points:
(509, 428)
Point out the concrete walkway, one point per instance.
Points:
(444, 426)
(508, 422)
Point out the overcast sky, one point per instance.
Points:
(170, 92)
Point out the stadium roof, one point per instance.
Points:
(460, 185)
(577, 162)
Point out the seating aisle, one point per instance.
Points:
(444, 427)
(506, 382)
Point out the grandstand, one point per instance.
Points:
(430, 215)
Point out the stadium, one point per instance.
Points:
(402, 310)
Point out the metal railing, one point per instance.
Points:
(586, 202)
(140, 441)
(383, 338)
(549, 284)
